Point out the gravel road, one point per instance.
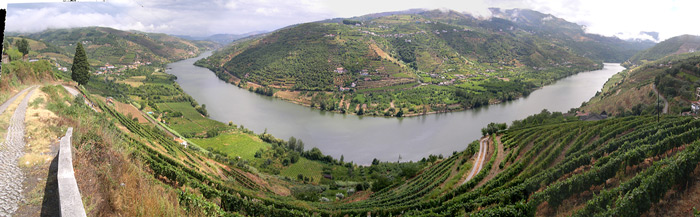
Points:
(11, 150)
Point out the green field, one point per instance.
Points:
(191, 121)
(305, 167)
(234, 144)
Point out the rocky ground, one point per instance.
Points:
(11, 176)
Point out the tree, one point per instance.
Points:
(292, 144)
(25, 47)
(5, 46)
(81, 68)
(300, 146)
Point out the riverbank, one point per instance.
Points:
(362, 138)
(389, 97)
(345, 102)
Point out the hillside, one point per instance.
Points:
(597, 47)
(632, 91)
(222, 39)
(413, 63)
(105, 45)
(676, 45)
(613, 167)
(152, 151)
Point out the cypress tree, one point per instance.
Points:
(25, 46)
(81, 68)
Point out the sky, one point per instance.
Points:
(622, 18)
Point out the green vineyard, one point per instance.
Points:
(614, 167)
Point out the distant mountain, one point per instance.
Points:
(418, 37)
(608, 49)
(473, 59)
(107, 45)
(676, 45)
(222, 39)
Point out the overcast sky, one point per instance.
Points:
(623, 18)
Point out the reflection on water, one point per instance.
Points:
(361, 139)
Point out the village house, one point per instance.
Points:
(695, 107)
(340, 70)
(181, 141)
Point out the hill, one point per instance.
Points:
(676, 45)
(545, 165)
(574, 36)
(635, 90)
(153, 152)
(413, 62)
(222, 39)
(106, 45)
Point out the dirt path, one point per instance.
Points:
(479, 163)
(7, 103)
(71, 90)
(665, 110)
(495, 169)
(11, 150)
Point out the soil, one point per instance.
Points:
(41, 188)
(499, 158)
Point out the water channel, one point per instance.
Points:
(361, 139)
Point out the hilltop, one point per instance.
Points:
(415, 62)
(676, 45)
(106, 45)
(151, 150)
(635, 91)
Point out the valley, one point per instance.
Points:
(406, 113)
(412, 64)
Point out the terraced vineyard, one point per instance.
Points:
(613, 167)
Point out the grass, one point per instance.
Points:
(613, 81)
(234, 144)
(689, 77)
(396, 87)
(5, 116)
(305, 167)
(124, 189)
(191, 121)
(135, 81)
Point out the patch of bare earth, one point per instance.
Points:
(499, 158)
(293, 96)
(39, 163)
(358, 196)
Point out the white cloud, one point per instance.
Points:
(231, 5)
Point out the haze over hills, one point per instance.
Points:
(471, 59)
(107, 45)
(222, 39)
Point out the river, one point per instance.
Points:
(361, 139)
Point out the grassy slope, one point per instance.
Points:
(191, 122)
(400, 51)
(631, 90)
(305, 167)
(106, 45)
(234, 144)
(676, 45)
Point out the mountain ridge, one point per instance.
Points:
(471, 60)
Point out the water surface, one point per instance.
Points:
(361, 139)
